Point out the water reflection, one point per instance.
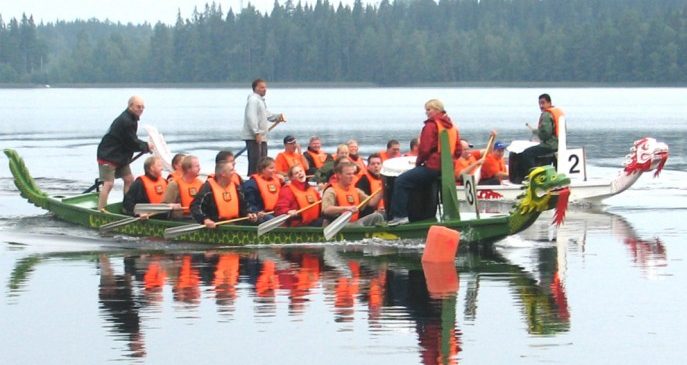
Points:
(648, 254)
(119, 305)
(388, 290)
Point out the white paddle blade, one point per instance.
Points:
(333, 228)
(178, 231)
(160, 148)
(147, 208)
(271, 224)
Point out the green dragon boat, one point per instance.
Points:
(540, 194)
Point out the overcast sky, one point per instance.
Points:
(135, 11)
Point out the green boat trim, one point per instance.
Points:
(82, 209)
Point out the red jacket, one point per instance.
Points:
(428, 153)
(287, 201)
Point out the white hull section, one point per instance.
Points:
(593, 191)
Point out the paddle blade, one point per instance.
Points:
(272, 224)
(333, 228)
(112, 225)
(178, 231)
(146, 208)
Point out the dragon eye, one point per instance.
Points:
(541, 179)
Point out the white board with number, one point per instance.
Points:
(573, 164)
(471, 192)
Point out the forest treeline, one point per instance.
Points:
(392, 43)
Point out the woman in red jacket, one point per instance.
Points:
(428, 164)
(296, 195)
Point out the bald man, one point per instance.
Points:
(117, 148)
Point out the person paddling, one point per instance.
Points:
(343, 196)
(371, 181)
(296, 195)
(183, 189)
(147, 188)
(220, 199)
(428, 164)
(262, 189)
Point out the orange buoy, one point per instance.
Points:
(441, 244)
(441, 279)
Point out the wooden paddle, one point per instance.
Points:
(239, 153)
(477, 166)
(334, 227)
(180, 230)
(273, 223)
(123, 222)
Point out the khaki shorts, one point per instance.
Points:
(108, 172)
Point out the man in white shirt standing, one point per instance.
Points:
(255, 126)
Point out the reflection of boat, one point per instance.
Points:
(579, 223)
(81, 210)
(387, 292)
(646, 155)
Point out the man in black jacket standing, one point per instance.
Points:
(117, 147)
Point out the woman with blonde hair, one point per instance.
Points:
(428, 164)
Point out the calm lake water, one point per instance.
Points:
(607, 287)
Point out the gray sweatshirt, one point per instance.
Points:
(256, 117)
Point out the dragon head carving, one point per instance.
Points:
(541, 185)
(645, 155)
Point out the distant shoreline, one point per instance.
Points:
(345, 85)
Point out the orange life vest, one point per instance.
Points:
(556, 113)
(348, 197)
(286, 160)
(305, 198)
(226, 200)
(452, 136)
(317, 158)
(361, 167)
(188, 191)
(154, 189)
(383, 155)
(176, 174)
(376, 183)
(269, 191)
(461, 163)
(235, 178)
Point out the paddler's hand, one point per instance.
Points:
(292, 212)
(259, 138)
(351, 208)
(253, 217)
(209, 223)
(281, 118)
(144, 217)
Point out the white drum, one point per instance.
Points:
(396, 166)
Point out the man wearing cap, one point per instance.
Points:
(290, 157)
(255, 126)
(494, 167)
